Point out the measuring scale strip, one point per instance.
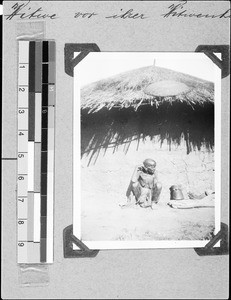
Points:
(47, 157)
(50, 146)
(36, 102)
(22, 171)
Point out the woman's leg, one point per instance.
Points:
(156, 192)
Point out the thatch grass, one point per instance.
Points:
(128, 90)
(118, 129)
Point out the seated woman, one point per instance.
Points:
(144, 184)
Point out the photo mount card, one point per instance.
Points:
(132, 110)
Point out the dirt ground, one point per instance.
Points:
(135, 223)
(104, 185)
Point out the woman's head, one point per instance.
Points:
(150, 165)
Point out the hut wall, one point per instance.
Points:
(112, 147)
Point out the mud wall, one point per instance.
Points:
(179, 138)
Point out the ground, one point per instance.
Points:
(135, 223)
(104, 184)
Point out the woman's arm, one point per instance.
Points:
(155, 178)
(136, 173)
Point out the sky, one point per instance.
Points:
(99, 65)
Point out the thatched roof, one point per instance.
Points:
(146, 86)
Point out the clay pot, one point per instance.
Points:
(176, 193)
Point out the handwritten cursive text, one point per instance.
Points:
(178, 10)
(129, 14)
(84, 15)
(24, 11)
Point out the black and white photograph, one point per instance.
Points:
(146, 150)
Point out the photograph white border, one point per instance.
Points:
(77, 172)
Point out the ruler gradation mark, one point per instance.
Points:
(36, 90)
